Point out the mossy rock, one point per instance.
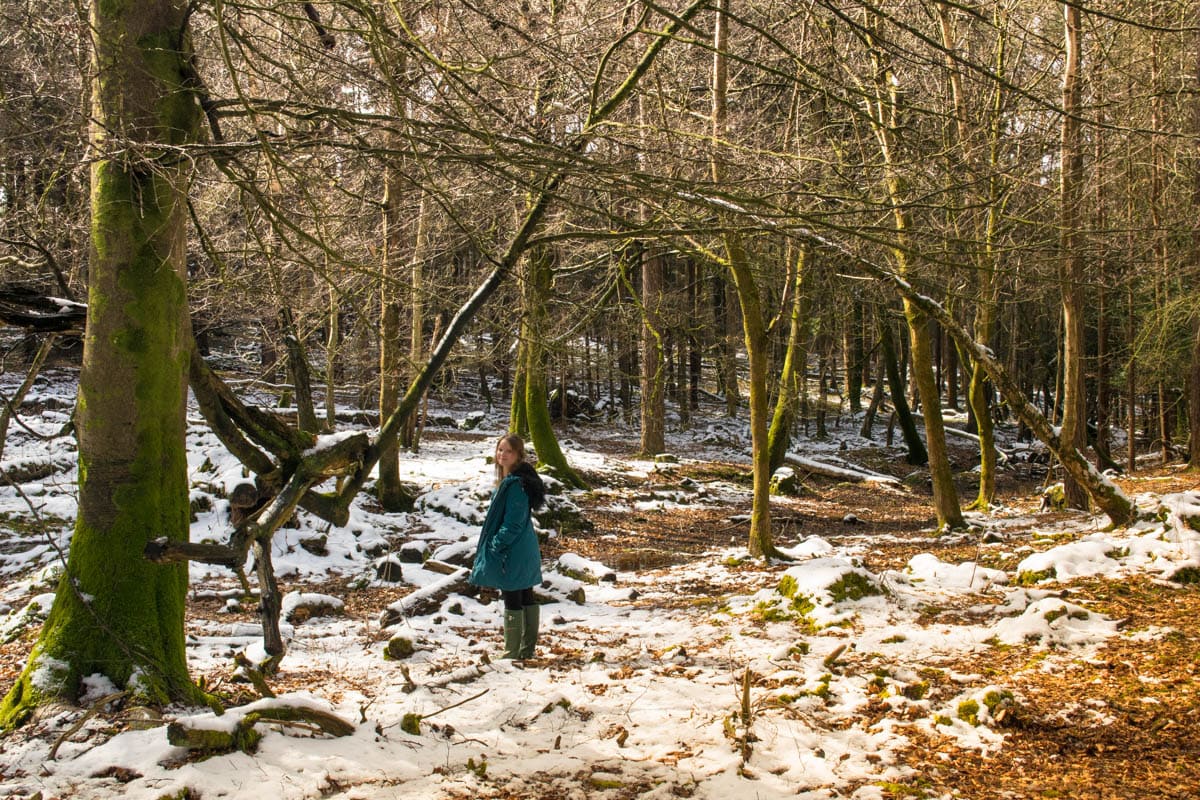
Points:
(563, 516)
(414, 552)
(316, 545)
(1187, 576)
(389, 569)
(785, 483)
(399, 648)
(1054, 498)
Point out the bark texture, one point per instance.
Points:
(116, 613)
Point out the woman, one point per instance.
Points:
(507, 556)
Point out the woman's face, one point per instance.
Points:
(506, 456)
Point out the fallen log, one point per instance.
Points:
(243, 735)
(853, 474)
(428, 599)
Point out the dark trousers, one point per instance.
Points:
(515, 601)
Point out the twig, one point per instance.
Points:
(456, 705)
(93, 709)
(423, 717)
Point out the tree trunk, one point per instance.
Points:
(114, 612)
(539, 264)
(653, 382)
(884, 113)
(390, 491)
(794, 360)
(332, 371)
(1194, 254)
(410, 434)
(945, 497)
(854, 354)
(729, 346)
(908, 427)
(1074, 400)
(755, 329)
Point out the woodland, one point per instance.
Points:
(925, 236)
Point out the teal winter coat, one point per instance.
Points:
(507, 556)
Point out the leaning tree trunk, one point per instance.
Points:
(114, 612)
(1107, 496)
(917, 454)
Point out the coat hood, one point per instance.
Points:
(531, 482)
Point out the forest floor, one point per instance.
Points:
(1145, 744)
(1117, 718)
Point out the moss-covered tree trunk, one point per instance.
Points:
(787, 402)
(885, 106)
(115, 613)
(755, 327)
(532, 369)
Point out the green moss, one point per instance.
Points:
(968, 712)
(916, 691)
(1055, 613)
(398, 649)
(803, 605)
(1187, 576)
(411, 724)
(942, 719)
(852, 586)
(788, 586)
(1031, 577)
(799, 649)
(604, 783)
(901, 790)
(995, 700)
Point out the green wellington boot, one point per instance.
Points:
(514, 632)
(529, 636)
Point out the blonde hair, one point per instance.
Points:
(518, 446)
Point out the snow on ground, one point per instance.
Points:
(641, 688)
